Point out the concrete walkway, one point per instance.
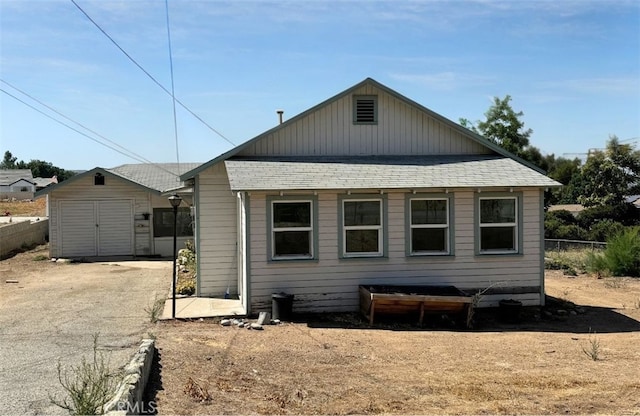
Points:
(194, 308)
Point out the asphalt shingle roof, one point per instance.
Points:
(10, 176)
(159, 176)
(394, 172)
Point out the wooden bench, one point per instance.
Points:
(375, 299)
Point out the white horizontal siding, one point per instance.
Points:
(402, 129)
(217, 233)
(83, 189)
(331, 283)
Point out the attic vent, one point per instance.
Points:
(98, 179)
(365, 109)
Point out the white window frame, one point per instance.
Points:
(379, 228)
(513, 225)
(446, 226)
(309, 229)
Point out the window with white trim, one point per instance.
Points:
(362, 232)
(498, 225)
(291, 229)
(429, 226)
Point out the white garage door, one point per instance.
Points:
(96, 228)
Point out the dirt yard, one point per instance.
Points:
(336, 365)
(35, 208)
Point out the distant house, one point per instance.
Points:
(44, 182)
(633, 199)
(16, 184)
(574, 209)
(367, 187)
(117, 212)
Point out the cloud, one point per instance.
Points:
(447, 80)
(597, 86)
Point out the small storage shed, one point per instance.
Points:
(117, 212)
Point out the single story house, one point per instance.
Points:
(16, 184)
(44, 182)
(574, 209)
(121, 211)
(367, 187)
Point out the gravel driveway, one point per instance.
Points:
(52, 312)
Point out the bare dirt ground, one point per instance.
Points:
(35, 208)
(336, 365)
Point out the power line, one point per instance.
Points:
(125, 152)
(173, 89)
(149, 75)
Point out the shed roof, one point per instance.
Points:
(11, 176)
(157, 177)
(464, 171)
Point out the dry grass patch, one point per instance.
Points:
(337, 365)
(36, 208)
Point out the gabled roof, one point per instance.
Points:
(42, 182)
(381, 172)
(155, 178)
(11, 176)
(368, 81)
(160, 176)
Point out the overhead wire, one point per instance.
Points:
(149, 75)
(113, 146)
(173, 89)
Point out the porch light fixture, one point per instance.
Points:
(175, 202)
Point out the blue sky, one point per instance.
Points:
(572, 67)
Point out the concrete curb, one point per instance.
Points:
(128, 397)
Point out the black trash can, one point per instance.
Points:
(281, 306)
(510, 310)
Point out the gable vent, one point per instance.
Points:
(365, 109)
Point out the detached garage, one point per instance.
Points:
(118, 212)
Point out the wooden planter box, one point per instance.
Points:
(376, 299)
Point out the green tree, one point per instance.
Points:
(609, 176)
(39, 168)
(502, 126)
(9, 161)
(567, 172)
(47, 170)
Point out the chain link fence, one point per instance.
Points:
(551, 244)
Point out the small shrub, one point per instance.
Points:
(563, 216)
(622, 255)
(571, 232)
(604, 230)
(89, 386)
(40, 257)
(197, 391)
(155, 309)
(571, 262)
(186, 285)
(592, 350)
